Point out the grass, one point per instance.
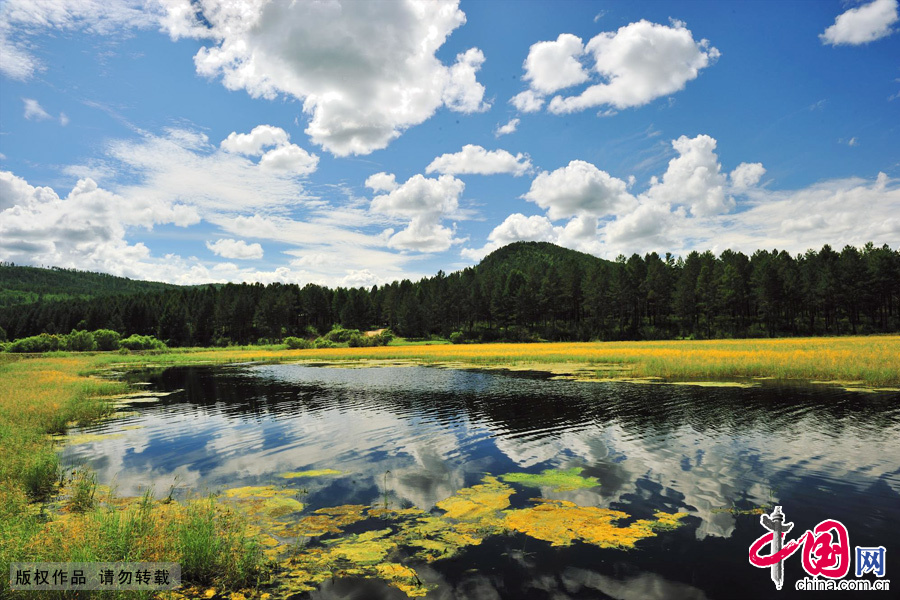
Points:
(40, 396)
(873, 361)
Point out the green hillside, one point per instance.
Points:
(24, 285)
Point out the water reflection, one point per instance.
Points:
(414, 436)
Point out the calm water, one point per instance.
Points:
(418, 434)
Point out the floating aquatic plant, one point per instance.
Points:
(559, 480)
(312, 473)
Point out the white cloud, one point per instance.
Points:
(552, 66)
(86, 229)
(746, 175)
(365, 71)
(424, 202)
(284, 156)
(463, 92)
(510, 127)
(382, 182)
(63, 119)
(694, 178)
(853, 142)
(474, 159)
(252, 144)
(638, 63)
(290, 159)
(34, 111)
(863, 24)
(577, 189)
(237, 249)
(183, 165)
(20, 19)
(527, 101)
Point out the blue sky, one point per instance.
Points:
(354, 143)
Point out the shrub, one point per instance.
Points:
(107, 339)
(79, 341)
(295, 343)
(37, 343)
(457, 337)
(385, 337)
(358, 340)
(142, 342)
(340, 335)
(323, 343)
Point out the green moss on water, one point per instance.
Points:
(558, 480)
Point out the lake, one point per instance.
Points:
(406, 438)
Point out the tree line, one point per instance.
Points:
(526, 291)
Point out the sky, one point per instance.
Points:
(354, 143)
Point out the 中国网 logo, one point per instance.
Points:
(825, 553)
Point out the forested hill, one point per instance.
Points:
(23, 285)
(524, 291)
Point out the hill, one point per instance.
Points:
(528, 256)
(24, 285)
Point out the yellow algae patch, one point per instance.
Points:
(723, 384)
(265, 500)
(88, 438)
(560, 523)
(560, 481)
(329, 520)
(313, 473)
(402, 578)
(365, 548)
(477, 501)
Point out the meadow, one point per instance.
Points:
(49, 514)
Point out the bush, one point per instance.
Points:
(37, 343)
(142, 342)
(340, 335)
(295, 343)
(385, 337)
(323, 343)
(358, 340)
(79, 341)
(457, 337)
(107, 339)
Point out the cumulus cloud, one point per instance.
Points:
(364, 71)
(290, 159)
(632, 66)
(639, 63)
(86, 229)
(694, 178)
(284, 156)
(424, 202)
(690, 207)
(34, 111)
(553, 66)
(237, 249)
(577, 189)
(527, 101)
(474, 159)
(510, 127)
(862, 24)
(252, 144)
(746, 175)
(382, 182)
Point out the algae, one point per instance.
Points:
(559, 480)
(312, 473)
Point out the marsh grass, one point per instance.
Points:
(869, 360)
(42, 396)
